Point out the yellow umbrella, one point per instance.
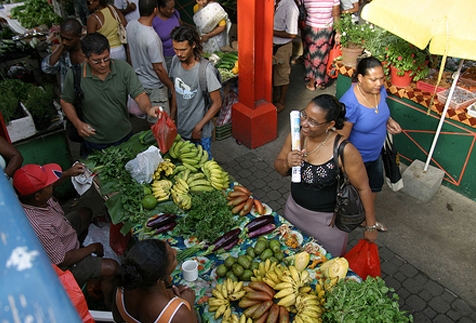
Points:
(447, 26)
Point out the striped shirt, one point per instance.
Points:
(319, 13)
(52, 228)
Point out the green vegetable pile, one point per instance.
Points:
(208, 219)
(369, 301)
(34, 13)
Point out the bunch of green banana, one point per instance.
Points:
(197, 182)
(223, 294)
(192, 156)
(218, 178)
(166, 167)
(161, 189)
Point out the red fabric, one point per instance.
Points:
(75, 294)
(364, 259)
(164, 131)
(117, 240)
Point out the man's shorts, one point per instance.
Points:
(158, 97)
(281, 71)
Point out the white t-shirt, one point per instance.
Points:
(286, 19)
(122, 4)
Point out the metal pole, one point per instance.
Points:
(443, 114)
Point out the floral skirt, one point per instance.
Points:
(316, 52)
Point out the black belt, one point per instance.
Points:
(276, 47)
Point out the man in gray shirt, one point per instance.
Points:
(194, 116)
(147, 58)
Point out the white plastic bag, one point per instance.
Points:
(144, 165)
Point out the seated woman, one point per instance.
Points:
(212, 24)
(310, 206)
(10, 158)
(142, 294)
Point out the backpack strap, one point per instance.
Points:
(202, 75)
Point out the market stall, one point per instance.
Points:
(410, 106)
(239, 243)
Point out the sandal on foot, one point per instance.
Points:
(310, 88)
(279, 107)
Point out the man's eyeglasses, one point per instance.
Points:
(99, 61)
(312, 123)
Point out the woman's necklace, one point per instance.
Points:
(375, 97)
(315, 150)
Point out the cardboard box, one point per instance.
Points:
(22, 128)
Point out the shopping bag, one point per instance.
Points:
(75, 293)
(164, 131)
(331, 69)
(391, 163)
(364, 259)
(117, 240)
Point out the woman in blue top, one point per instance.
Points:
(368, 120)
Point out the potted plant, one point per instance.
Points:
(405, 60)
(353, 38)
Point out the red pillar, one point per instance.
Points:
(255, 119)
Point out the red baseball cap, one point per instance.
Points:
(31, 178)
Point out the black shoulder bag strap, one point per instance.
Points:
(78, 92)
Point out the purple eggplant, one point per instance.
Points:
(262, 230)
(225, 239)
(230, 244)
(165, 228)
(259, 222)
(160, 220)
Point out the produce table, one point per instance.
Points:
(208, 278)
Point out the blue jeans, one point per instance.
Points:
(205, 143)
(375, 174)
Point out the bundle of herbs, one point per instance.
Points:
(208, 218)
(369, 301)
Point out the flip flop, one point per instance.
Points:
(310, 88)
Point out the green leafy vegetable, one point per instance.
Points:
(369, 301)
(34, 13)
(208, 218)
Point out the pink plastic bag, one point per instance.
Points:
(364, 259)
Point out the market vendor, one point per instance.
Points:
(105, 83)
(61, 235)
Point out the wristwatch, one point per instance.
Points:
(371, 228)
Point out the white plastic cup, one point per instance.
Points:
(190, 270)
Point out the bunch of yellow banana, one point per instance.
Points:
(161, 189)
(309, 308)
(197, 182)
(223, 294)
(192, 156)
(245, 319)
(166, 167)
(180, 194)
(268, 272)
(291, 286)
(215, 174)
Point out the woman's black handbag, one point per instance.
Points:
(349, 212)
(391, 164)
(70, 129)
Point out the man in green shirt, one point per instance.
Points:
(106, 84)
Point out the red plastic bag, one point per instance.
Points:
(364, 259)
(331, 69)
(164, 131)
(75, 294)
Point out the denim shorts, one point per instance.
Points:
(375, 174)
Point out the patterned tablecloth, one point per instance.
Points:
(416, 95)
(207, 277)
